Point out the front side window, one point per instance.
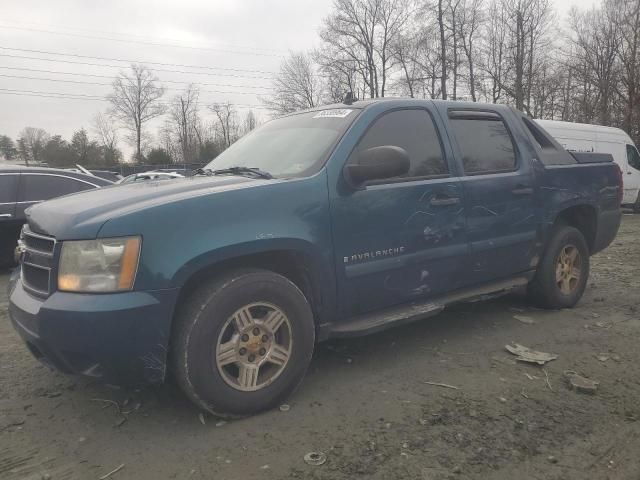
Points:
(415, 132)
(485, 144)
(36, 188)
(632, 157)
(8, 184)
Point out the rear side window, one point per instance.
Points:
(632, 157)
(485, 144)
(36, 188)
(414, 131)
(8, 185)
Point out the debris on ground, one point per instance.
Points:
(120, 422)
(546, 379)
(315, 458)
(524, 319)
(579, 383)
(201, 418)
(525, 354)
(221, 423)
(284, 407)
(603, 357)
(115, 470)
(444, 385)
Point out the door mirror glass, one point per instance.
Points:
(378, 163)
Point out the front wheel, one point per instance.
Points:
(562, 274)
(243, 342)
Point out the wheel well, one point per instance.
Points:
(295, 266)
(583, 218)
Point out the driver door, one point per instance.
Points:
(400, 239)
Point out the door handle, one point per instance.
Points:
(5, 215)
(444, 200)
(522, 190)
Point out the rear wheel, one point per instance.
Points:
(562, 274)
(243, 342)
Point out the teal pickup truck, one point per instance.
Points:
(334, 222)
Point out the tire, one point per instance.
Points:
(219, 320)
(554, 285)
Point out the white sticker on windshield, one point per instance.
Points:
(333, 113)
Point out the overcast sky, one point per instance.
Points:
(239, 42)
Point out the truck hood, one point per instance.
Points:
(81, 215)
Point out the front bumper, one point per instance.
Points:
(119, 338)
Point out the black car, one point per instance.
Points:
(21, 187)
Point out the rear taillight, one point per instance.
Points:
(620, 184)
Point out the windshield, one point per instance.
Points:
(292, 146)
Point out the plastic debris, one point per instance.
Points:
(201, 418)
(315, 458)
(524, 319)
(444, 385)
(115, 470)
(525, 354)
(579, 383)
(284, 407)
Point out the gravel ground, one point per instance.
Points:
(366, 405)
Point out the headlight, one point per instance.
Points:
(102, 265)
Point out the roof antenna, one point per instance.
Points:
(349, 98)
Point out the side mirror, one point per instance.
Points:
(378, 163)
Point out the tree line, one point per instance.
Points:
(137, 98)
(515, 52)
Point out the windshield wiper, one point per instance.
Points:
(239, 171)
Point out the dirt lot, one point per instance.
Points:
(365, 404)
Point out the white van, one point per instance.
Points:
(580, 137)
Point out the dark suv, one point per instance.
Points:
(21, 187)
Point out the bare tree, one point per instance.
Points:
(250, 122)
(359, 33)
(135, 100)
(630, 62)
(31, 143)
(226, 122)
(597, 40)
(297, 85)
(106, 134)
(470, 22)
(443, 48)
(184, 114)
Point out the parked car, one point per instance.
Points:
(21, 187)
(580, 137)
(106, 175)
(152, 175)
(333, 222)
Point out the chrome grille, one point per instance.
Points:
(37, 262)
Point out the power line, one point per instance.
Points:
(59, 27)
(120, 67)
(109, 84)
(57, 72)
(79, 96)
(128, 61)
(155, 44)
